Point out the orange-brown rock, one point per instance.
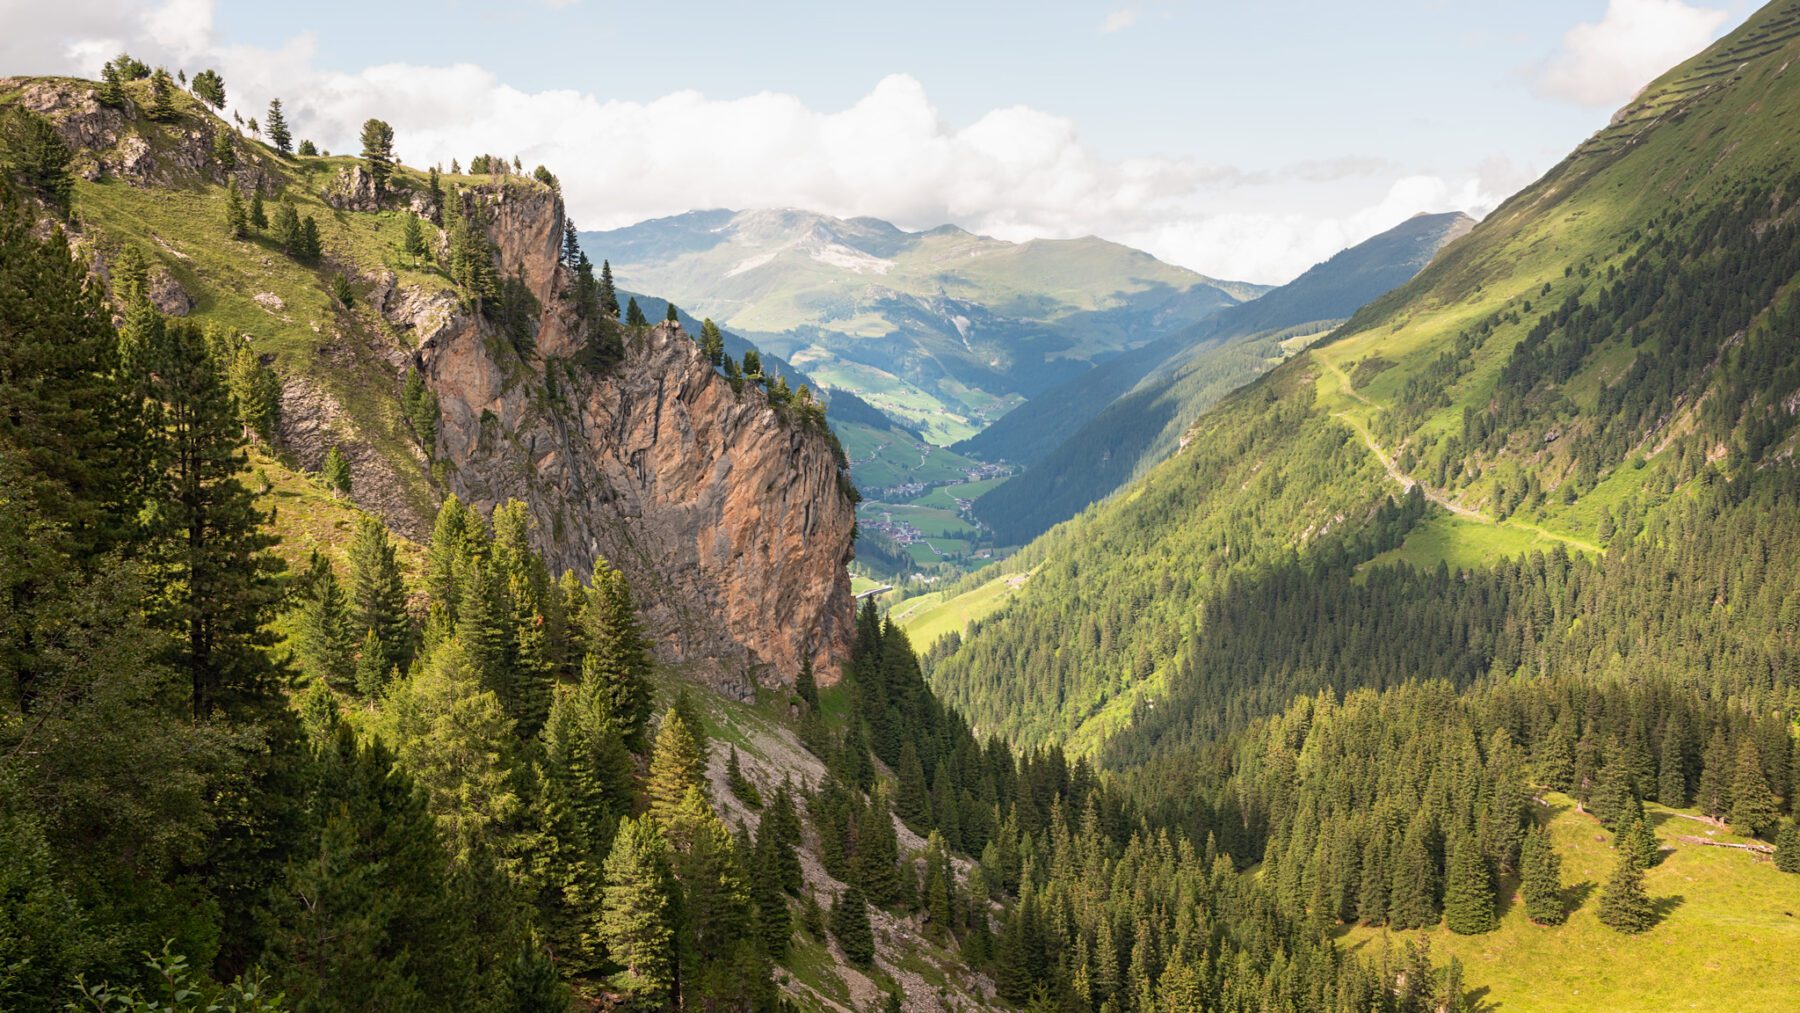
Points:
(729, 517)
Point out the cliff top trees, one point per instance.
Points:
(210, 88)
(378, 153)
(276, 126)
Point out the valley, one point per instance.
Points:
(409, 600)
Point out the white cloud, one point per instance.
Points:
(1605, 63)
(1119, 20)
(1016, 172)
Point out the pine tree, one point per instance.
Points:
(378, 596)
(162, 96)
(412, 239)
(112, 92)
(335, 472)
(308, 247)
(671, 316)
(275, 125)
(1623, 904)
(287, 227)
(850, 927)
(1413, 898)
(224, 152)
(1613, 801)
(378, 153)
(1714, 794)
(571, 248)
(1540, 879)
(634, 316)
(772, 914)
(781, 823)
(235, 217)
(712, 345)
(913, 804)
(211, 552)
(675, 768)
(739, 784)
(618, 658)
(609, 297)
(33, 152)
(1671, 773)
(637, 916)
(210, 87)
(875, 868)
(372, 668)
(1787, 846)
(325, 634)
(1469, 890)
(1752, 804)
(1638, 843)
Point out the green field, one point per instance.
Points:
(930, 616)
(1727, 919)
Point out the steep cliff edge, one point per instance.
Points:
(729, 515)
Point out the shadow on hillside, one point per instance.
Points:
(1476, 998)
(1665, 906)
(1576, 895)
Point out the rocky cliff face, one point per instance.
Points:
(728, 517)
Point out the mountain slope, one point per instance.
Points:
(624, 444)
(1179, 377)
(943, 328)
(1612, 340)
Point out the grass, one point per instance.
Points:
(1728, 923)
(931, 616)
(1464, 544)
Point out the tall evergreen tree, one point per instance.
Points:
(325, 633)
(712, 344)
(112, 92)
(1752, 804)
(220, 582)
(276, 126)
(1787, 846)
(1469, 890)
(675, 768)
(378, 595)
(850, 927)
(162, 96)
(1540, 879)
(1623, 904)
(637, 919)
(609, 296)
(1638, 842)
(378, 153)
(1716, 770)
(634, 316)
(618, 658)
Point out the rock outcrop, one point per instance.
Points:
(729, 517)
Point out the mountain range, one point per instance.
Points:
(943, 329)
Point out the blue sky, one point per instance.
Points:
(1244, 140)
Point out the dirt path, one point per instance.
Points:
(1437, 496)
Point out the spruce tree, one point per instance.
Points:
(675, 768)
(850, 927)
(162, 96)
(913, 804)
(1469, 890)
(637, 913)
(223, 151)
(1787, 846)
(1413, 897)
(671, 316)
(112, 92)
(378, 596)
(335, 472)
(378, 153)
(1540, 879)
(210, 88)
(325, 634)
(609, 297)
(1752, 804)
(772, 914)
(781, 823)
(235, 217)
(33, 152)
(712, 345)
(275, 125)
(617, 657)
(1671, 774)
(220, 582)
(1623, 904)
(286, 227)
(1716, 770)
(1638, 843)
(412, 240)
(875, 868)
(739, 784)
(635, 316)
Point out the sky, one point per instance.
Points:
(1243, 140)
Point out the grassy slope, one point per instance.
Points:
(1728, 918)
(930, 616)
(1722, 117)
